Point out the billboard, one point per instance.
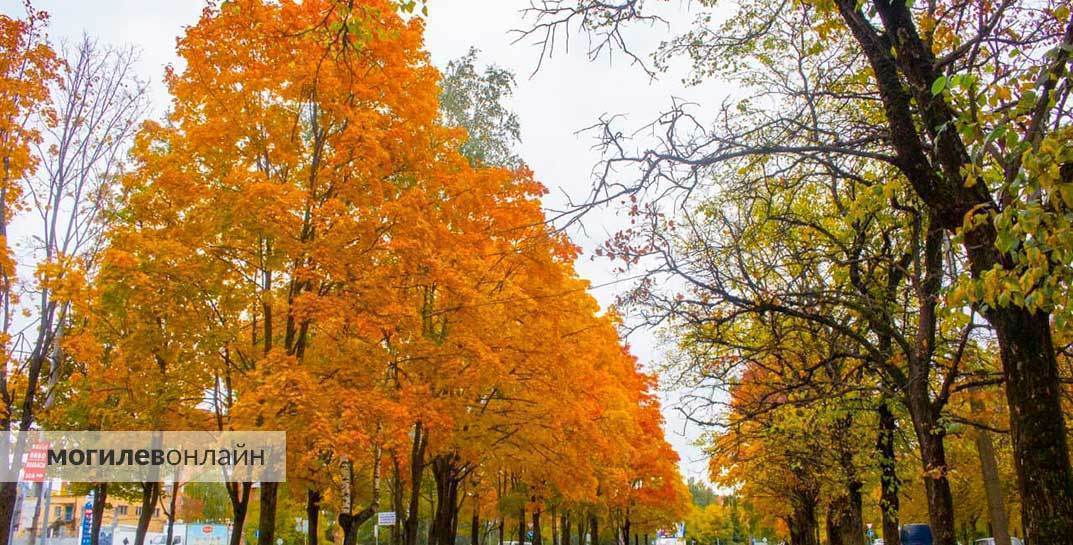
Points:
(206, 534)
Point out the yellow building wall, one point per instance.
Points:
(66, 511)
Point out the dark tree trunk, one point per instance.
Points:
(239, 494)
(266, 526)
(171, 512)
(350, 524)
(9, 493)
(312, 516)
(936, 484)
(537, 538)
(594, 530)
(396, 500)
(845, 524)
(100, 498)
(445, 516)
(923, 411)
(521, 525)
(581, 530)
(804, 530)
(845, 521)
(554, 527)
(417, 469)
(889, 483)
(349, 521)
(475, 523)
(564, 528)
(150, 494)
(1037, 424)
(835, 513)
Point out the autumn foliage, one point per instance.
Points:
(302, 245)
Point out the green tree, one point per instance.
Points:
(970, 113)
(476, 100)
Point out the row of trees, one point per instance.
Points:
(861, 252)
(310, 242)
(726, 519)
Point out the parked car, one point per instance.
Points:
(916, 534)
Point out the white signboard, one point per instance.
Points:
(385, 518)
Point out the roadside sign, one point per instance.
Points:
(385, 518)
(87, 522)
(33, 471)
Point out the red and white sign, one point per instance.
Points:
(33, 471)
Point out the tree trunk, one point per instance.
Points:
(9, 494)
(594, 530)
(444, 517)
(100, 499)
(845, 525)
(804, 530)
(581, 530)
(996, 505)
(888, 469)
(171, 512)
(349, 521)
(312, 516)
(239, 494)
(845, 522)
(475, 523)
(396, 500)
(150, 494)
(923, 411)
(936, 484)
(537, 538)
(266, 526)
(554, 527)
(521, 525)
(417, 469)
(564, 527)
(1037, 424)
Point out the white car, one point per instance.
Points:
(991, 541)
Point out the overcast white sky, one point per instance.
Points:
(567, 94)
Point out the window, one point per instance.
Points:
(156, 512)
(68, 512)
(58, 511)
(121, 509)
(138, 511)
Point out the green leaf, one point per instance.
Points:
(938, 85)
(1061, 13)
